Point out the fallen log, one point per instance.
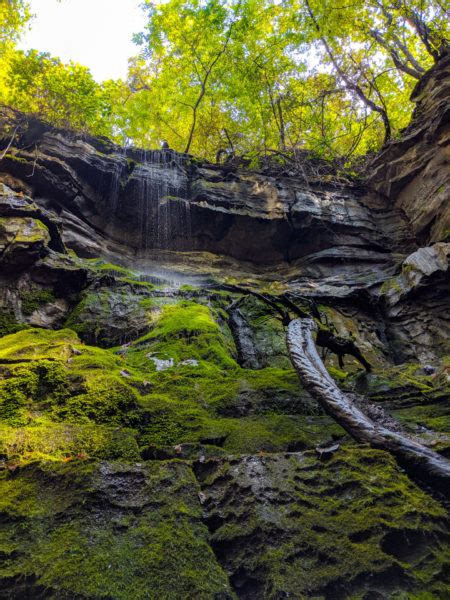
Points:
(419, 461)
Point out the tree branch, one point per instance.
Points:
(351, 85)
(204, 84)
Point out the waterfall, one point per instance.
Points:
(145, 193)
(117, 173)
(160, 198)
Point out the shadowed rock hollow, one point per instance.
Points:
(155, 440)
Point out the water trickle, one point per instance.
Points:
(119, 168)
(109, 185)
(160, 197)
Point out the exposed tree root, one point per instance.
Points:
(286, 307)
(416, 459)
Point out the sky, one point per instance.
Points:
(94, 33)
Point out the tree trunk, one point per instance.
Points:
(418, 460)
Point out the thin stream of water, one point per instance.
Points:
(160, 190)
(157, 187)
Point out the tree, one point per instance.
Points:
(14, 15)
(63, 94)
(257, 79)
(180, 64)
(351, 83)
(252, 84)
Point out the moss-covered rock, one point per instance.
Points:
(417, 399)
(36, 344)
(22, 241)
(63, 442)
(109, 530)
(51, 384)
(259, 334)
(33, 298)
(110, 316)
(282, 523)
(187, 330)
(293, 526)
(9, 323)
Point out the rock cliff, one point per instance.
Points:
(156, 442)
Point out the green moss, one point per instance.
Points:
(391, 284)
(302, 527)
(35, 344)
(64, 381)
(187, 288)
(337, 374)
(33, 299)
(61, 378)
(107, 399)
(213, 402)
(15, 158)
(395, 382)
(187, 330)
(31, 387)
(51, 441)
(433, 416)
(277, 433)
(124, 548)
(119, 530)
(100, 267)
(24, 230)
(15, 393)
(9, 324)
(147, 303)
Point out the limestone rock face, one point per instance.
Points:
(136, 206)
(21, 241)
(413, 172)
(38, 277)
(417, 269)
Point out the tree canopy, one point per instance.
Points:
(264, 79)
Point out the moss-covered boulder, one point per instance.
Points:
(108, 530)
(354, 526)
(22, 241)
(110, 316)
